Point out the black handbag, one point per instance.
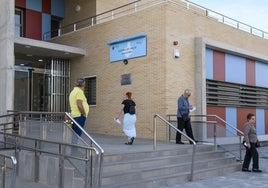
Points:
(257, 144)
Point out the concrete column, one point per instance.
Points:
(200, 73)
(7, 25)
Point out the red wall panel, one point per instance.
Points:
(219, 111)
(266, 121)
(218, 65)
(250, 72)
(242, 116)
(20, 3)
(33, 27)
(46, 6)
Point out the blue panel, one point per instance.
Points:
(261, 74)
(235, 69)
(58, 8)
(46, 25)
(260, 121)
(209, 63)
(34, 5)
(127, 48)
(231, 118)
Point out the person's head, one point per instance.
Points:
(128, 94)
(251, 118)
(80, 82)
(187, 93)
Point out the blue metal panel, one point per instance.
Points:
(127, 48)
(235, 69)
(46, 24)
(231, 118)
(261, 74)
(260, 121)
(58, 8)
(209, 63)
(34, 5)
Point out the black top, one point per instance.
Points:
(128, 103)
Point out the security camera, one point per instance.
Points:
(125, 61)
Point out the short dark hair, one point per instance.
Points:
(80, 82)
(249, 116)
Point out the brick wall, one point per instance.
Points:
(158, 78)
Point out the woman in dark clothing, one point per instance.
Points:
(250, 140)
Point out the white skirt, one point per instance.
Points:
(129, 125)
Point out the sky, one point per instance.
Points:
(251, 12)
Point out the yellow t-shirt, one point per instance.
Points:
(77, 94)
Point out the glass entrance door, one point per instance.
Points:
(29, 89)
(22, 89)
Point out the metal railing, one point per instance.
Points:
(140, 5)
(4, 166)
(216, 121)
(182, 133)
(51, 133)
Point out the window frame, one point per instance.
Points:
(91, 93)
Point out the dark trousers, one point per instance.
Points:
(184, 125)
(251, 153)
(81, 121)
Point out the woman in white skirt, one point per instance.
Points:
(129, 121)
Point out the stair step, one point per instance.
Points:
(171, 179)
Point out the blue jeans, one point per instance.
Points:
(81, 121)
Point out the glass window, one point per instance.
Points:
(55, 26)
(90, 90)
(18, 23)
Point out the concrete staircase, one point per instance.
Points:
(146, 169)
(161, 168)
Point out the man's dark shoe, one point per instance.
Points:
(179, 142)
(246, 170)
(256, 170)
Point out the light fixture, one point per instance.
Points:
(40, 60)
(77, 8)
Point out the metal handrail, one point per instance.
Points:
(3, 169)
(97, 148)
(182, 133)
(186, 4)
(214, 122)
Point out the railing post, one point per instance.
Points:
(62, 152)
(192, 167)
(36, 161)
(240, 146)
(215, 135)
(89, 171)
(3, 171)
(154, 129)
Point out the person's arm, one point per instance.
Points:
(121, 111)
(80, 107)
(246, 132)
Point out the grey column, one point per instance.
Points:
(7, 26)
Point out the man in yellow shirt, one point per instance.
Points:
(79, 105)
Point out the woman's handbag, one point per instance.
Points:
(257, 144)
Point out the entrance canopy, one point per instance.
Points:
(34, 52)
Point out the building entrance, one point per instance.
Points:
(43, 90)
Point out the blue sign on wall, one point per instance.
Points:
(127, 48)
